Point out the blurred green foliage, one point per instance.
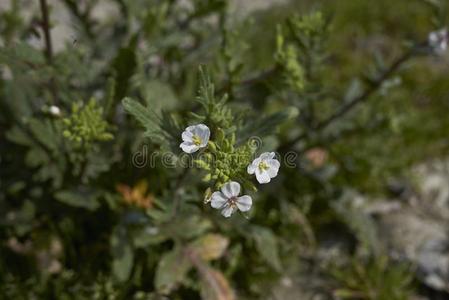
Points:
(350, 86)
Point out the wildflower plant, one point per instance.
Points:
(228, 200)
(130, 170)
(225, 162)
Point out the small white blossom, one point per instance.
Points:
(228, 201)
(54, 110)
(195, 137)
(265, 167)
(438, 40)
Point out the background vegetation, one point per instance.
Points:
(352, 87)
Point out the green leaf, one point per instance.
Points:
(45, 133)
(210, 246)
(122, 253)
(23, 221)
(79, 198)
(148, 235)
(159, 95)
(192, 226)
(18, 136)
(266, 245)
(146, 117)
(171, 270)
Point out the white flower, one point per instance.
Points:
(228, 201)
(194, 138)
(265, 167)
(438, 40)
(54, 110)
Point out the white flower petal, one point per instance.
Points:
(189, 147)
(218, 200)
(191, 129)
(187, 136)
(433, 37)
(231, 189)
(228, 210)
(262, 176)
(253, 166)
(54, 110)
(203, 132)
(244, 203)
(267, 155)
(438, 40)
(273, 165)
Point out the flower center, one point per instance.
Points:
(233, 201)
(263, 166)
(196, 140)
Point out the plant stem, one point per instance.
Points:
(46, 28)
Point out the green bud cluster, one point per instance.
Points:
(86, 124)
(224, 161)
(310, 24)
(216, 111)
(287, 57)
(299, 47)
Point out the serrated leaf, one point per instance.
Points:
(146, 117)
(138, 111)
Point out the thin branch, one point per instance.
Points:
(48, 45)
(344, 109)
(347, 107)
(46, 28)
